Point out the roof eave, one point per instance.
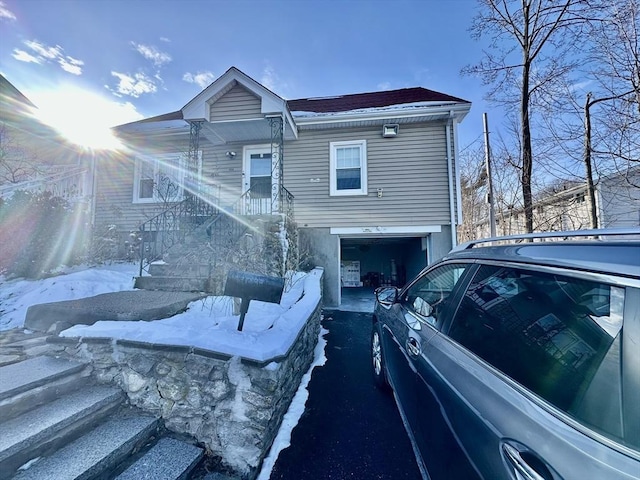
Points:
(454, 110)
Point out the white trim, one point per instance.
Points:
(175, 169)
(452, 212)
(247, 150)
(456, 162)
(460, 110)
(377, 231)
(198, 107)
(333, 188)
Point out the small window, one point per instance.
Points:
(557, 336)
(348, 174)
(159, 179)
(429, 294)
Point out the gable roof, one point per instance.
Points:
(9, 93)
(359, 101)
(197, 108)
(401, 105)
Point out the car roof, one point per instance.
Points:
(620, 257)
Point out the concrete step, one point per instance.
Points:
(97, 452)
(48, 427)
(34, 372)
(17, 344)
(172, 284)
(29, 383)
(173, 270)
(169, 459)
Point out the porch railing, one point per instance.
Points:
(224, 226)
(170, 227)
(65, 182)
(251, 203)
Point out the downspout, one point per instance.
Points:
(452, 214)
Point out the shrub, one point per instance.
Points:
(40, 232)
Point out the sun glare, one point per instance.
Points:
(83, 117)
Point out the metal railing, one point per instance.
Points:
(224, 226)
(170, 227)
(251, 203)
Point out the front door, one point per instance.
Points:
(257, 181)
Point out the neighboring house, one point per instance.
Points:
(371, 177)
(33, 156)
(617, 205)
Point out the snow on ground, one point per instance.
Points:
(209, 323)
(80, 282)
(269, 329)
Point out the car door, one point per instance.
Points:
(529, 377)
(411, 323)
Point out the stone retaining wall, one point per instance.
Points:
(233, 406)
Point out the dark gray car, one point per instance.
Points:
(518, 361)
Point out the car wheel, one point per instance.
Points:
(377, 360)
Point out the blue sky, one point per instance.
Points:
(105, 62)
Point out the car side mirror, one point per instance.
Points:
(386, 296)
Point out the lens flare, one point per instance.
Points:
(83, 117)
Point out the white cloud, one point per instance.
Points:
(41, 53)
(165, 39)
(152, 53)
(23, 56)
(5, 13)
(71, 65)
(202, 79)
(43, 50)
(135, 85)
(384, 86)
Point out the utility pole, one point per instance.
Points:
(487, 155)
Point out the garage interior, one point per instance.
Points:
(368, 263)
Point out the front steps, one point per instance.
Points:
(16, 346)
(54, 424)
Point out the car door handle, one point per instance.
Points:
(523, 470)
(413, 347)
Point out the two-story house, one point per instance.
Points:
(371, 177)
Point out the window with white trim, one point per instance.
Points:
(159, 179)
(348, 170)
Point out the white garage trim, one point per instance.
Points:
(408, 231)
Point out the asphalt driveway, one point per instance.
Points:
(350, 429)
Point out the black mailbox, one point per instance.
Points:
(251, 286)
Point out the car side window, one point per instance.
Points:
(558, 336)
(428, 295)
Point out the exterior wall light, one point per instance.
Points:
(390, 130)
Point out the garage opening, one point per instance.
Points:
(368, 263)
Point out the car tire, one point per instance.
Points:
(378, 366)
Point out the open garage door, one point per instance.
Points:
(367, 263)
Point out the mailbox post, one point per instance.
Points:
(251, 286)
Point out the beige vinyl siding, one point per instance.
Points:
(410, 168)
(114, 195)
(223, 171)
(237, 104)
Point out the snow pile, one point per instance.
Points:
(16, 296)
(269, 329)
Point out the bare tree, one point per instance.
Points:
(473, 181)
(18, 163)
(528, 56)
(594, 121)
(614, 67)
